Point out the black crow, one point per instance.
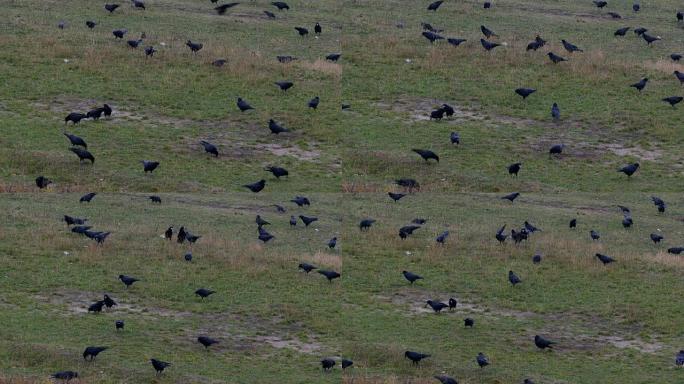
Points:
(418, 221)
(434, 6)
(188, 257)
(285, 58)
(409, 184)
(90, 24)
(83, 154)
(284, 85)
(573, 223)
(487, 32)
(679, 359)
(629, 169)
(203, 292)
(194, 47)
(675, 250)
(332, 243)
(119, 324)
(111, 7)
(333, 57)
(134, 43)
(302, 31)
(279, 208)
(306, 267)
(514, 168)
(301, 201)
(511, 196)
(594, 235)
(119, 33)
(455, 138)
(448, 110)
(650, 39)
(346, 363)
(604, 258)
(318, 29)
(524, 92)
(206, 341)
(65, 375)
(138, 4)
(621, 31)
(74, 117)
(107, 110)
(365, 224)
(149, 165)
(330, 275)
(426, 154)
(127, 280)
(543, 343)
(94, 113)
(555, 59)
(243, 105)
(61, 24)
(96, 306)
(411, 277)
(293, 221)
(679, 76)
(92, 352)
(513, 278)
(264, 235)
(659, 203)
(327, 364)
(313, 103)
(81, 229)
(307, 220)
(155, 199)
(500, 235)
(600, 4)
(656, 238)
(488, 45)
(437, 114)
(536, 259)
(270, 14)
(627, 221)
(531, 228)
(555, 112)
(445, 379)
(533, 46)
(159, 365)
(640, 31)
(436, 305)
(415, 357)
(278, 172)
(673, 100)
(87, 197)
(556, 149)
(482, 360)
(431, 36)
(518, 237)
(468, 322)
(74, 220)
(487, 5)
(181, 235)
(396, 196)
(221, 9)
(456, 42)
(641, 84)
(276, 128)
(452, 303)
(614, 15)
(280, 5)
(219, 63)
(210, 148)
(256, 187)
(636, 7)
(442, 237)
(680, 15)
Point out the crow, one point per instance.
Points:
(138, 4)
(594, 235)
(284, 85)
(621, 32)
(415, 357)
(409, 184)
(604, 258)
(555, 112)
(206, 341)
(636, 7)
(533, 46)
(487, 5)
(219, 63)
(640, 31)
(514, 168)
(482, 360)
(155, 199)
(83, 154)
(119, 33)
(396, 196)
(554, 59)
(429, 27)
(513, 278)
(650, 39)
(488, 45)
(500, 235)
(434, 6)
(600, 4)
(108, 301)
(445, 379)
(318, 29)
(556, 149)
(61, 25)
(92, 352)
(209, 148)
(641, 84)
(159, 365)
(278, 172)
(107, 110)
(627, 221)
(679, 359)
(111, 7)
(280, 5)
(301, 201)
(96, 306)
(188, 257)
(285, 58)
(94, 113)
(192, 239)
(656, 238)
(306, 267)
(264, 235)
(332, 243)
(256, 187)
(411, 277)
(119, 324)
(442, 237)
(74, 220)
(203, 292)
(87, 197)
(181, 235)
(531, 228)
(487, 32)
(90, 24)
(436, 305)
(365, 224)
(330, 275)
(543, 343)
(307, 220)
(221, 9)
(679, 76)
(65, 375)
(468, 322)
(630, 169)
(675, 250)
(455, 138)
(194, 47)
(149, 165)
(658, 202)
(426, 154)
(680, 15)
(437, 114)
(302, 31)
(673, 100)
(452, 303)
(134, 43)
(276, 128)
(127, 280)
(346, 363)
(448, 110)
(270, 14)
(313, 103)
(327, 364)
(518, 237)
(456, 42)
(279, 208)
(82, 229)
(614, 15)
(536, 259)
(432, 37)
(74, 117)
(333, 57)
(573, 223)
(243, 105)
(511, 196)
(524, 92)
(150, 51)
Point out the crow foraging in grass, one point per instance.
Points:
(679, 359)
(306, 267)
(675, 250)
(556, 149)
(543, 343)
(74, 220)
(318, 29)
(74, 117)
(396, 196)
(488, 45)
(276, 128)
(119, 33)
(159, 365)
(332, 243)
(284, 85)
(134, 43)
(346, 363)
(658, 202)
(513, 278)
(194, 47)
(209, 148)
(90, 24)
(221, 9)
(656, 238)
(436, 305)
(307, 220)
(108, 301)
(264, 235)
(278, 172)
(119, 324)
(482, 360)
(96, 307)
(554, 59)
(280, 5)
(330, 275)
(573, 223)
(640, 85)
(570, 47)
(434, 6)
(155, 199)
(243, 105)
(75, 140)
(630, 169)
(431, 36)
(442, 237)
(487, 32)
(555, 112)
(83, 154)
(301, 201)
(111, 7)
(206, 341)
(87, 197)
(426, 154)
(333, 57)
(138, 4)
(621, 31)
(468, 322)
(149, 165)
(600, 3)
(411, 277)
(650, 39)
(531, 228)
(302, 31)
(525, 92)
(365, 224)
(65, 375)
(127, 280)
(437, 114)
(327, 364)
(313, 103)
(594, 235)
(409, 184)
(415, 357)
(514, 168)
(604, 258)
(456, 42)
(536, 259)
(455, 138)
(445, 379)
(256, 187)
(92, 352)
(500, 235)
(203, 292)
(511, 196)
(673, 100)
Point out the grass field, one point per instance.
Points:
(613, 323)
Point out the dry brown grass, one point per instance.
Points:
(391, 379)
(323, 66)
(28, 380)
(665, 66)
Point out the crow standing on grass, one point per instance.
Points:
(209, 148)
(411, 277)
(150, 51)
(221, 9)
(488, 45)
(640, 85)
(92, 352)
(415, 357)
(426, 154)
(149, 166)
(280, 5)
(543, 343)
(159, 365)
(435, 6)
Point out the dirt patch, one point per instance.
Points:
(324, 66)
(292, 151)
(635, 152)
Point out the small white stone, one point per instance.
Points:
(408, 253)
(66, 61)
(163, 44)
(66, 253)
(408, 61)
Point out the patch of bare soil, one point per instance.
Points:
(635, 152)
(292, 151)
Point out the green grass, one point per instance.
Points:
(617, 323)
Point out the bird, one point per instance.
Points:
(445, 379)
(332, 243)
(65, 375)
(640, 31)
(42, 182)
(327, 364)
(307, 220)
(604, 258)
(243, 105)
(111, 7)
(194, 47)
(536, 259)
(641, 84)
(396, 196)
(96, 307)
(411, 277)
(318, 29)
(629, 169)
(285, 58)
(627, 221)
(302, 31)
(435, 5)
(94, 113)
(188, 257)
(448, 110)
(500, 235)
(134, 43)
(257, 186)
(276, 128)
(119, 324)
(436, 305)
(679, 359)
(127, 280)
(442, 237)
(487, 32)
(514, 168)
(511, 196)
(181, 235)
(555, 112)
(594, 235)
(679, 76)
(203, 292)
(108, 301)
(437, 114)
(533, 46)
(87, 197)
(92, 352)
(614, 15)
(452, 303)
(487, 5)
(488, 45)
(306, 267)
(206, 341)
(221, 9)
(482, 360)
(650, 39)
(555, 58)
(107, 110)
(138, 4)
(636, 7)
(600, 4)
(409, 184)
(301, 201)
(455, 42)
(155, 199)
(346, 363)
(90, 24)
(519, 236)
(209, 148)
(513, 278)
(74, 220)
(525, 92)
(556, 149)
(83, 154)
(659, 203)
(426, 154)
(531, 228)
(455, 138)
(74, 117)
(468, 322)
(621, 32)
(264, 235)
(119, 33)
(313, 103)
(293, 221)
(330, 275)
(284, 85)
(415, 357)
(219, 63)
(365, 224)
(81, 229)
(280, 5)
(333, 57)
(675, 250)
(278, 172)
(159, 365)
(680, 15)
(573, 223)
(149, 165)
(656, 238)
(543, 343)
(270, 14)
(61, 24)
(570, 47)
(673, 100)
(279, 208)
